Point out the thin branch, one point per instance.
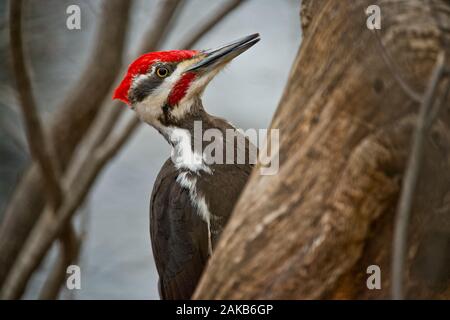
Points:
(79, 179)
(49, 227)
(161, 26)
(115, 142)
(395, 70)
(15, 135)
(57, 275)
(226, 9)
(410, 180)
(77, 112)
(55, 278)
(38, 144)
(72, 119)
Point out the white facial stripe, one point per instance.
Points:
(150, 109)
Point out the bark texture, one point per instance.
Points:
(311, 231)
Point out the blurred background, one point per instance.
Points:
(115, 257)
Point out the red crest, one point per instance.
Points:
(142, 64)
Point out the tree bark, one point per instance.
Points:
(311, 231)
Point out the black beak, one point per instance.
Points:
(225, 53)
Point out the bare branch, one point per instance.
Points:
(72, 119)
(115, 142)
(49, 227)
(409, 183)
(225, 10)
(68, 255)
(78, 110)
(161, 26)
(38, 144)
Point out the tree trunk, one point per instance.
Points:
(311, 231)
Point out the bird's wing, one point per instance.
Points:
(223, 190)
(179, 236)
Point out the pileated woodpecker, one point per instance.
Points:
(191, 199)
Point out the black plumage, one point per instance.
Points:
(180, 236)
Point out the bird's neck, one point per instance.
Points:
(185, 135)
(182, 119)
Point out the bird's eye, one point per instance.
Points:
(162, 72)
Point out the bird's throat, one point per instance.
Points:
(184, 134)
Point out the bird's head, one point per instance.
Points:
(163, 85)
